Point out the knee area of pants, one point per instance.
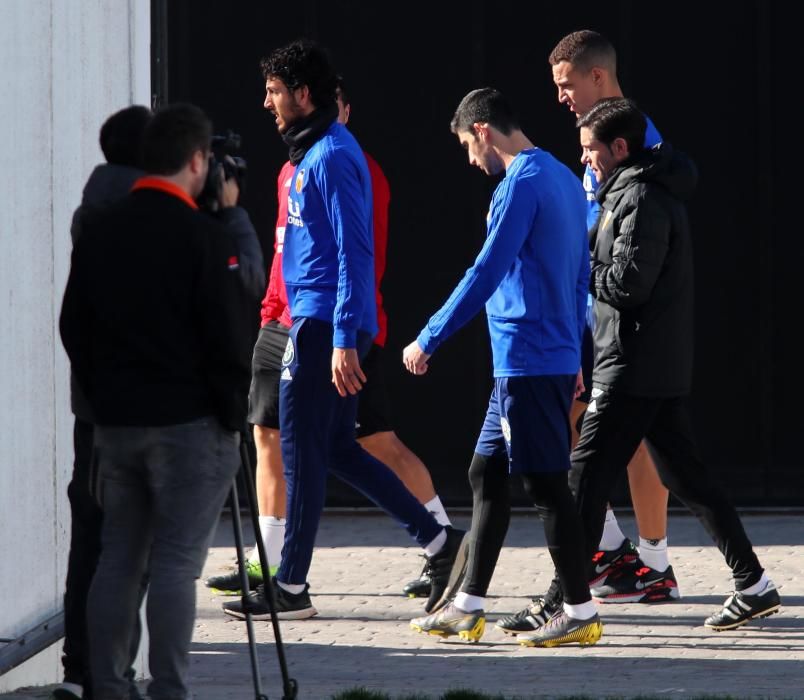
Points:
(168, 565)
(545, 490)
(173, 577)
(476, 470)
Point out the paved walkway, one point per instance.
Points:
(361, 636)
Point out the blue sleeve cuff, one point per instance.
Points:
(426, 342)
(344, 338)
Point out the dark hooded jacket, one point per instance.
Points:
(642, 276)
(107, 184)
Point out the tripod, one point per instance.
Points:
(289, 685)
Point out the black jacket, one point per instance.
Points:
(107, 184)
(642, 276)
(156, 319)
(237, 223)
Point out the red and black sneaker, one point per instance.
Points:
(637, 583)
(606, 562)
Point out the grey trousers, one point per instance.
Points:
(161, 489)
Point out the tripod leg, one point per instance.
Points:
(241, 566)
(290, 686)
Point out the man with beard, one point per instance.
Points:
(328, 268)
(642, 283)
(532, 276)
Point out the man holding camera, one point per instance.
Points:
(219, 197)
(155, 320)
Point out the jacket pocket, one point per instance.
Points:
(629, 332)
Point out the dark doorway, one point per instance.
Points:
(709, 75)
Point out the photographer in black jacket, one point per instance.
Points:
(120, 141)
(237, 224)
(156, 322)
(642, 281)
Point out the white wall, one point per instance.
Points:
(65, 65)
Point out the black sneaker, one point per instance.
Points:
(739, 608)
(528, 619)
(638, 583)
(229, 584)
(606, 562)
(447, 568)
(419, 587)
(289, 606)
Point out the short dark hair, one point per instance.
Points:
(616, 117)
(171, 138)
(121, 136)
(585, 49)
(300, 63)
(341, 91)
(484, 105)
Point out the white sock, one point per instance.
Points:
(435, 506)
(469, 603)
(273, 537)
(613, 536)
(654, 553)
(758, 587)
(436, 543)
(581, 611)
(294, 588)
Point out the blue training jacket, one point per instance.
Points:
(532, 272)
(328, 255)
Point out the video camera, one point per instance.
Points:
(222, 166)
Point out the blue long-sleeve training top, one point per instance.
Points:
(532, 272)
(328, 254)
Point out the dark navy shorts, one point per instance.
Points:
(528, 418)
(373, 408)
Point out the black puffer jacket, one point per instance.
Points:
(642, 276)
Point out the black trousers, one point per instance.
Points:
(613, 426)
(85, 547)
(491, 512)
(84, 552)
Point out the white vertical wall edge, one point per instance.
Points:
(66, 66)
(140, 12)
